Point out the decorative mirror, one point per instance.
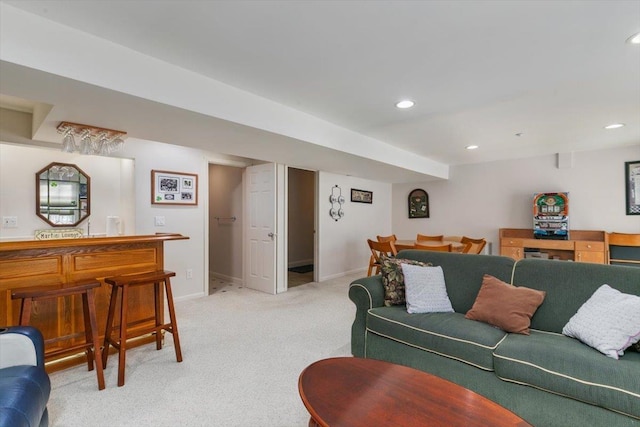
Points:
(63, 195)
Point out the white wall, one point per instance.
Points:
(343, 244)
(179, 255)
(18, 166)
(480, 199)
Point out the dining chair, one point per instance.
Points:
(623, 249)
(438, 248)
(476, 247)
(391, 238)
(425, 238)
(452, 238)
(379, 249)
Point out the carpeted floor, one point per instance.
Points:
(243, 352)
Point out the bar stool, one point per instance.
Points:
(92, 342)
(123, 283)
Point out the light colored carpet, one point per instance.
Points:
(243, 352)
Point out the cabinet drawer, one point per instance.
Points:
(590, 246)
(512, 242)
(564, 245)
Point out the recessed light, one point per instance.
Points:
(405, 103)
(614, 126)
(471, 147)
(634, 39)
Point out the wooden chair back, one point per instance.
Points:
(426, 238)
(623, 249)
(391, 238)
(477, 245)
(452, 238)
(438, 248)
(377, 250)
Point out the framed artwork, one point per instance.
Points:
(361, 196)
(418, 204)
(632, 183)
(174, 188)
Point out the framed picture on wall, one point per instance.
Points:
(361, 196)
(418, 204)
(174, 188)
(632, 184)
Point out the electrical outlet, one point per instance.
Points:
(189, 273)
(159, 221)
(10, 222)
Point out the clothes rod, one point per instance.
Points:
(231, 218)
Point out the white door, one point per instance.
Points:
(260, 237)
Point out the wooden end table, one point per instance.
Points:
(350, 392)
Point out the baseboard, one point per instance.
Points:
(346, 273)
(293, 264)
(225, 278)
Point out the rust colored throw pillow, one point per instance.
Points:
(508, 307)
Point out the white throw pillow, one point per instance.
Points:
(609, 321)
(425, 290)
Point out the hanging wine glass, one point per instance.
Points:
(68, 142)
(85, 142)
(102, 145)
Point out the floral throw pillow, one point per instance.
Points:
(393, 279)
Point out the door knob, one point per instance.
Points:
(272, 235)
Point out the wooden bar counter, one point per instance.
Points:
(26, 263)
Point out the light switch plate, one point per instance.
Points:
(159, 221)
(10, 222)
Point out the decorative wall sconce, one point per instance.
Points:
(93, 140)
(337, 200)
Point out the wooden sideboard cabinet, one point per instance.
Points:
(583, 245)
(61, 262)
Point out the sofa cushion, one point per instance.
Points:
(446, 334)
(609, 321)
(425, 289)
(24, 392)
(568, 285)
(505, 306)
(393, 279)
(463, 272)
(565, 366)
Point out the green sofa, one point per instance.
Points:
(546, 378)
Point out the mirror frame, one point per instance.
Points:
(88, 198)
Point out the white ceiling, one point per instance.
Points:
(480, 72)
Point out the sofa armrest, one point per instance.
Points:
(366, 293)
(21, 345)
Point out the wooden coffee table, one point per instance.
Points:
(350, 392)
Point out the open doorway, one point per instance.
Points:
(301, 226)
(225, 228)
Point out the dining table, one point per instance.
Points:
(411, 244)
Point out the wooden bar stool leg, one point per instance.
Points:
(25, 312)
(159, 308)
(88, 334)
(172, 316)
(122, 350)
(109, 327)
(93, 326)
